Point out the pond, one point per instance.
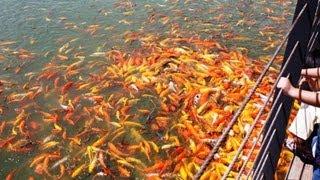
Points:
(94, 88)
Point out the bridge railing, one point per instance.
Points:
(301, 38)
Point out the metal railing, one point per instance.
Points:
(300, 38)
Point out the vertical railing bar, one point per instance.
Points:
(301, 59)
(252, 149)
(259, 164)
(265, 155)
(267, 134)
(264, 140)
(310, 40)
(261, 176)
(313, 41)
(290, 166)
(259, 113)
(260, 133)
(316, 14)
(273, 119)
(239, 111)
(313, 27)
(254, 145)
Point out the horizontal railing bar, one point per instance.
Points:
(246, 100)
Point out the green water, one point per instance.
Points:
(42, 27)
(38, 26)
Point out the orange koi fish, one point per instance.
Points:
(66, 87)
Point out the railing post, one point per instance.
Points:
(301, 33)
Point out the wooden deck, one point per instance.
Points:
(299, 170)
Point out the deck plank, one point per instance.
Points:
(307, 172)
(299, 170)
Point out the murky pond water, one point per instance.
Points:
(94, 88)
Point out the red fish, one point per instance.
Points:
(66, 87)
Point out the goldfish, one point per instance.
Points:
(153, 109)
(66, 87)
(7, 43)
(113, 149)
(77, 170)
(60, 162)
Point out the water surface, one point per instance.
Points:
(82, 30)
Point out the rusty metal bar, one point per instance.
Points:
(313, 40)
(299, 34)
(244, 141)
(246, 100)
(255, 143)
(266, 153)
(267, 134)
(316, 15)
(263, 144)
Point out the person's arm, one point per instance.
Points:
(311, 72)
(308, 97)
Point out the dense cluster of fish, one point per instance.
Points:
(286, 155)
(151, 111)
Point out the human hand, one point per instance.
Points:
(285, 85)
(304, 72)
(302, 80)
